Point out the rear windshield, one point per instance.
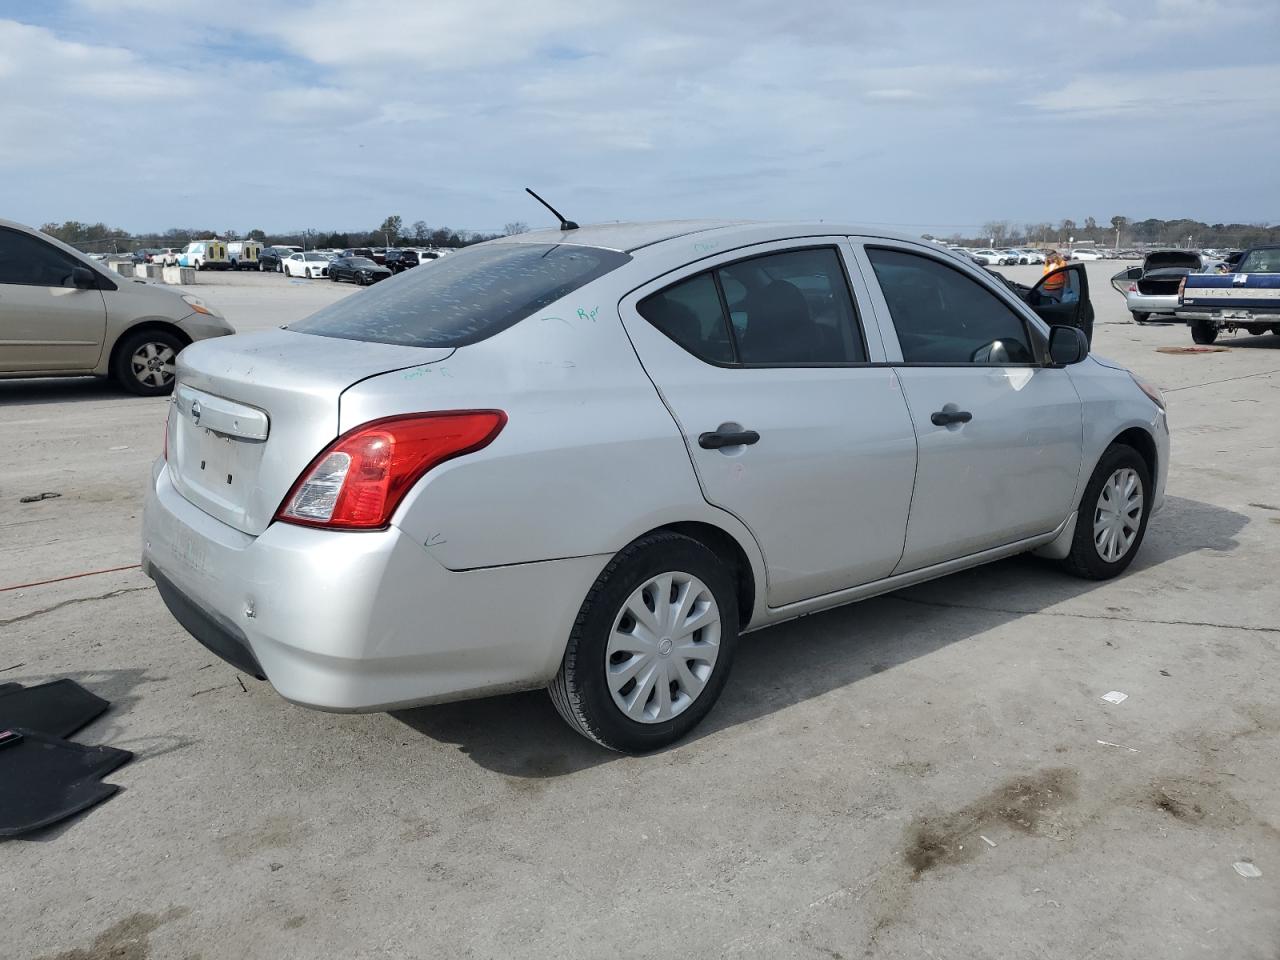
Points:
(1265, 260)
(464, 298)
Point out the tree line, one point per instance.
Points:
(1124, 232)
(1118, 231)
(392, 232)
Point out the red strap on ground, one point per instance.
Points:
(74, 576)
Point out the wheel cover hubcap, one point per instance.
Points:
(152, 364)
(1118, 514)
(663, 647)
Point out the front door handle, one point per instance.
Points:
(943, 418)
(715, 439)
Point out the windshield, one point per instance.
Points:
(464, 298)
(1266, 260)
(317, 256)
(360, 262)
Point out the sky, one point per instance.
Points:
(937, 116)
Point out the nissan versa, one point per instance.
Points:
(589, 458)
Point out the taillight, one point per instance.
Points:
(1182, 285)
(1133, 288)
(357, 482)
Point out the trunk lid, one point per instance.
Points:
(1162, 259)
(250, 412)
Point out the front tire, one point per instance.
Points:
(144, 362)
(652, 645)
(1202, 331)
(1112, 519)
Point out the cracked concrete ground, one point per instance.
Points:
(928, 774)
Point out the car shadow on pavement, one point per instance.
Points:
(521, 735)
(1247, 341)
(60, 390)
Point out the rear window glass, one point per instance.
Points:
(464, 298)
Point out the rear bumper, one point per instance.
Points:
(357, 621)
(1151, 302)
(1231, 315)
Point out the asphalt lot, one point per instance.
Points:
(928, 774)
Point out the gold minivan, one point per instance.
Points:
(63, 314)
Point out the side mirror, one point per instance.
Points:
(83, 278)
(1067, 345)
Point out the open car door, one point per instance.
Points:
(1061, 298)
(1122, 280)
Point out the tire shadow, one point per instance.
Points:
(521, 735)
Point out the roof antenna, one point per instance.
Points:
(564, 224)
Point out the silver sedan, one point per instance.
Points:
(588, 459)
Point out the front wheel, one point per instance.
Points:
(652, 646)
(1112, 518)
(144, 362)
(1139, 316)
(1203, 331)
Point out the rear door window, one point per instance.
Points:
(791, 308)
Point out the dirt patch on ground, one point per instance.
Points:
(126, 939)
(1020, 803)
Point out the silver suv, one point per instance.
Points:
(63, 314)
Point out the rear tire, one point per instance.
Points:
(1138, 316)
(670, 676)
(260, 266)
(1109, 530)
(143, 362)
(1202, 331)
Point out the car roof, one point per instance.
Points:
(630, 237)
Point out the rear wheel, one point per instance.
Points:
(1112, 518)
(1202, 331)
(1139, 316)
(144, 362)
(260, 266)
(652, 645)
(1257, 331)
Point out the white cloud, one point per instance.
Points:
(1175, 96)
(445, 110)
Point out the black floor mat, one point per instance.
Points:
(58, 708)
(46, 779)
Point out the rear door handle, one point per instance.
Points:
(944, 418)
(715, 439)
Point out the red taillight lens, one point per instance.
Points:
(1182, 285)
(359, 480)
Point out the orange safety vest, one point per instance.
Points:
(1057, 281)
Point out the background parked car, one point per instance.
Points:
(358, 252)
(399, 261)
(992, 258)
(269, 258)
(1084, 255)
(205, 255)
(313, 265)
(64, 314)
(1152, 289)
(359, 270)
(243, 254)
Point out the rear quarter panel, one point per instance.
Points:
(589, 459)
